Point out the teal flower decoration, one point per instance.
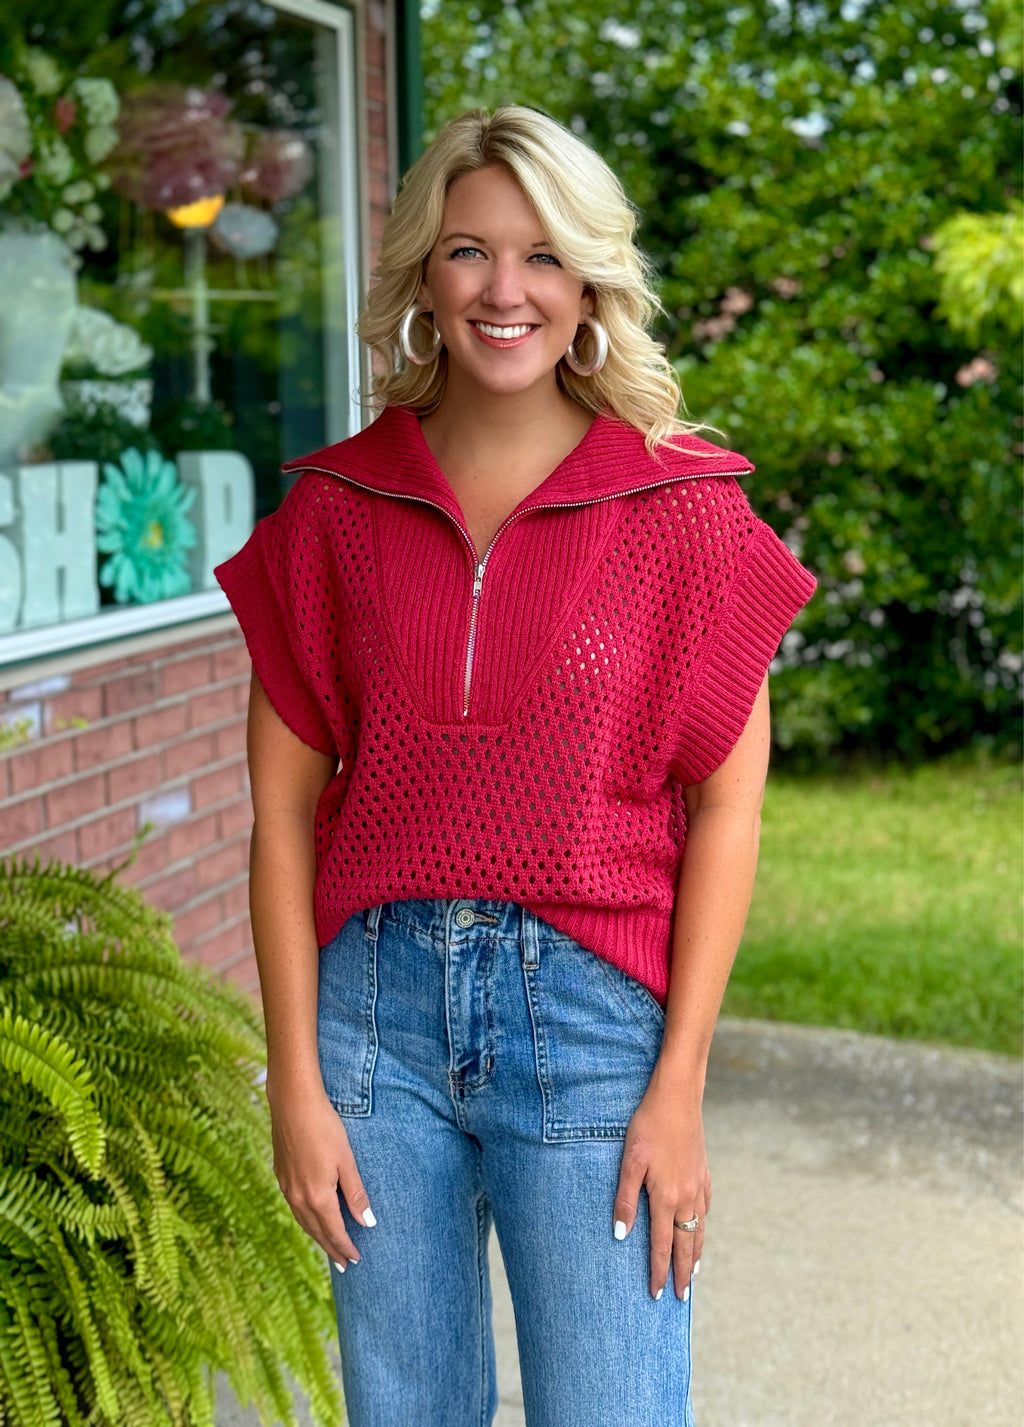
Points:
(141, 524)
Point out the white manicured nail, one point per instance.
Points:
(686, 1295)
(620, 1229)
(339, 1266)
(696, 1268)
(368, 1218)
(658, 1294)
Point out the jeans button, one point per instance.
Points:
(464, 917)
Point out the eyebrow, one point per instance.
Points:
(540, 243)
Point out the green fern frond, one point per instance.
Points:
(144, 1243)
(44, 1061)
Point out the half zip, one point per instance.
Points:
(478, 569)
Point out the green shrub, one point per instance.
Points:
(144, 1244)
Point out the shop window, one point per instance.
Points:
(179, 279)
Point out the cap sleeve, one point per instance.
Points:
(256, 581)
(769, 587)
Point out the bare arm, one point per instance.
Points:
(311, 1151)
(664, 1148)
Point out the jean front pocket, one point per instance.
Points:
(346, 1024)
(597, 1033)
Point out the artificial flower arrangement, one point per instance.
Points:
(55, 132)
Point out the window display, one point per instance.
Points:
(179, 270)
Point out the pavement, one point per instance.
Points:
(864, 1260)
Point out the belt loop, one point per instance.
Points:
(373, 921)
(530, 941)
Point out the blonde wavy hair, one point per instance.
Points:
(590, 224)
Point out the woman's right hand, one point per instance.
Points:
(312, 1157)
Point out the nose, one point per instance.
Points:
(504, 288)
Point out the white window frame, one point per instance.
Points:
(342, 192)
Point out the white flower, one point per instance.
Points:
(63, 221)
(79, 192)
(43, 71)
(55, 162)
(99, 142)
(99, 97)
(92, 212)
(15, 137)
(111, 347)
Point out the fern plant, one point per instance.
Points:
(144, 1244)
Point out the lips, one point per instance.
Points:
(503, 334)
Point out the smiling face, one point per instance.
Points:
(505, 307)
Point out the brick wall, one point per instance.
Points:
(158, 739)
(154, 740)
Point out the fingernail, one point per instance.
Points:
(339, 1266)
(696, 1268)
(686, 1294)
(620, 1229)
(368, 1218)
(658, 1294)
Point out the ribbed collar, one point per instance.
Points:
(392, 456)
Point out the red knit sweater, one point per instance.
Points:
(519, 729)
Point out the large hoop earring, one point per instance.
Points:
(600, 356)
(405, 338)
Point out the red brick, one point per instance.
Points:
(63, 709)
(160, 725)
(244, 974)
(5, 781)
(231, 663)
(196, 920)
(376, 51)
(74, 800)
(61, 848)
(213, 706)
(192, 837)
(150, 859)
(235, 900)
(241, 693)
(376, 121)
(102, 745)
(134, 778)
(224, 945)
(377, 222)
(222, 865)
(171, 891)
(19, 821)
(234, 819)
(190, 753)
(183, 674)
(40, 764)
(230, 740)
(378, 159)
(376, 87)
(102, 835)
(132, 692)
(215, 787)
(100, 673)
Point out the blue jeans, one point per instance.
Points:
(486, 1066)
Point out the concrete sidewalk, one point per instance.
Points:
(863, 1265)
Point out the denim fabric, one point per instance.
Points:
(487, 1066)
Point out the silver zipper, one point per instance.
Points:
(478, 575)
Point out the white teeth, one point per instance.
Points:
(502, 333)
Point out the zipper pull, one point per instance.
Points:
(478, 581)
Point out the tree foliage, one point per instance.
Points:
(799, 168)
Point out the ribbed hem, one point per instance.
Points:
(767, 596)
(635, 939)
(250, 588)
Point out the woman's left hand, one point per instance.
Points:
(664, 1152)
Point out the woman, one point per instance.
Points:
(510, 647)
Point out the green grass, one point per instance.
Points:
(890, 902)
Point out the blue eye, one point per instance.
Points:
(458, 252)
(547, 259)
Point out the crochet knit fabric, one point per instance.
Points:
(524, 736)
